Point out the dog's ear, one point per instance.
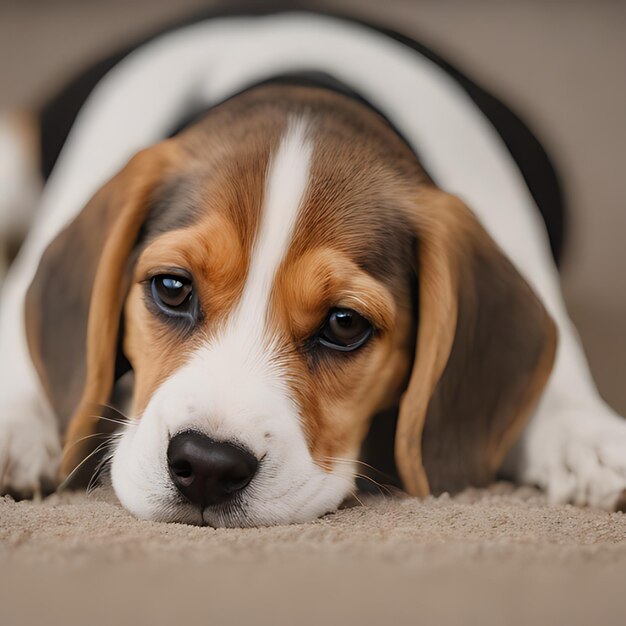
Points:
(485, 349)
(74, 304)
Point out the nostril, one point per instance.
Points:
(183, 471)
(233, 483)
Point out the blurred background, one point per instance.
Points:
(558, 63)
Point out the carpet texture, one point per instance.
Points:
(498, 556)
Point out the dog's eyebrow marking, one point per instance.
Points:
(285, 187)
(175, 205)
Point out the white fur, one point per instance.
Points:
(234, 389)
(29, 439)
(29, 446)
(131, 109)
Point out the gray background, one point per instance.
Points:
(560, 63)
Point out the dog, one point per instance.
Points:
(342, 233)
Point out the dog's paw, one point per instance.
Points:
(576, 456)
(30, 451)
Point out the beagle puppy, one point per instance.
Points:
(342, 233)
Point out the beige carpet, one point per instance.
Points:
(497, 557)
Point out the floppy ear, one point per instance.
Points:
(485, 349)
(74, 304)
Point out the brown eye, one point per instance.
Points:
(172, 293)
(345, 330)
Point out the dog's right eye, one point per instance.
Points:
(345, 330)
(172, 293)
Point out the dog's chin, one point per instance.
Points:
(240, 512)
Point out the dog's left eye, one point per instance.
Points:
(172, 293)
(345, 330)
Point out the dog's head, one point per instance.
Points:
(276, 275)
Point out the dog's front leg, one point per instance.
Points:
(30, 446)
(574, 446)
(29, 439)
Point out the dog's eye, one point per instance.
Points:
(345, 330)
(172, 293)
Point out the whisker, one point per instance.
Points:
(383, 489)
(110, 407)
(71, 474)
(98, 472)
(363, 463)
(123, 422)
(364, 476)
(107, 435)
(353, 494)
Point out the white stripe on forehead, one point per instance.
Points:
(285, 186)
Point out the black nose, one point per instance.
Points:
(207, 472)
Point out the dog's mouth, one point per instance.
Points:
(228, 514)
(304, 501)
(233, 513)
